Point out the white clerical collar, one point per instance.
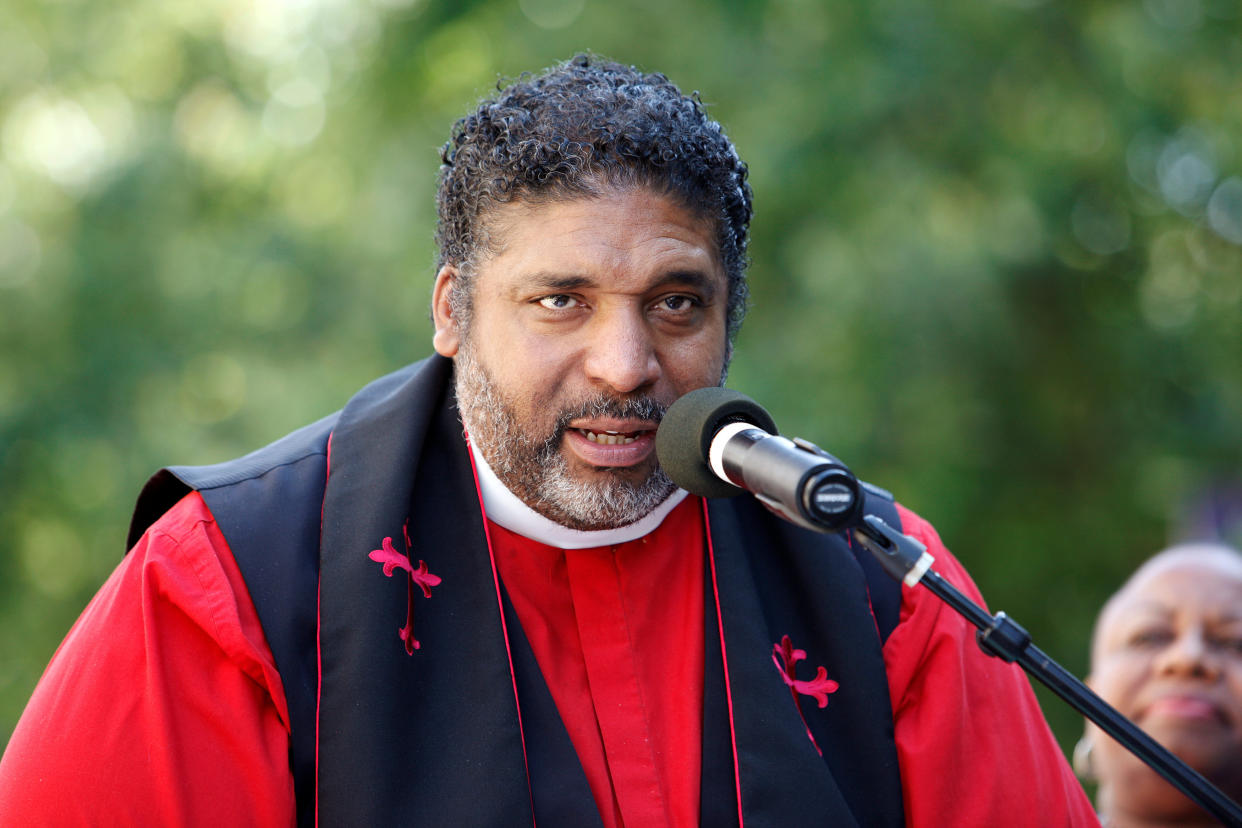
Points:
(507, 509)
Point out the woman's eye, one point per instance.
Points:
(558, 301)
(1149, 638)
(1230, 642)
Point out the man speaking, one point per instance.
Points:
(472, 597)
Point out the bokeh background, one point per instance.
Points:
(997, 255)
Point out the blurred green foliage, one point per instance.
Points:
(997, 255)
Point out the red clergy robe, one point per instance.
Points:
(618, 634)
(163, 706)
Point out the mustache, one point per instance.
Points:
(628, 408)
(602, 405)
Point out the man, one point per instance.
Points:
(387, 618)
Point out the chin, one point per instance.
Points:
(1211, 754)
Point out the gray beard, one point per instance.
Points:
(534, 467)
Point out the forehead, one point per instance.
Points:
(1180, 587)
(620, 236)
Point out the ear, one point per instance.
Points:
(447, 338)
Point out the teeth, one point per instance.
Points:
(609, 438)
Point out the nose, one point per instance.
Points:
(621, 353)
(1188, 654)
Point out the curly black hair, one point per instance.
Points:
(577, 128)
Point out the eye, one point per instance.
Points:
(558, 301)
(677, 303)
(1149, 637)
(1229, 641)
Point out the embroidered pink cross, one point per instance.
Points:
(393, 560)
(785, 657)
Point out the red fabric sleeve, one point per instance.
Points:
(163, 705)
(973, 745)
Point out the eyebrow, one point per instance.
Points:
(697, 279)
(545, 280)
(551, 281)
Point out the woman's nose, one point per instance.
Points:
(1188, 654)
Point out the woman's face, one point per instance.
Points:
(1168, 655)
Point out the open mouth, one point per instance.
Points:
(611, 438)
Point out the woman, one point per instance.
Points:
(1167, 653)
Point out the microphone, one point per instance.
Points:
(716, 442)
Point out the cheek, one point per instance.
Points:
(1119, 679)
(694, 364)
(1234, 681)
(520, 362)
(544, 368)
(533, 380)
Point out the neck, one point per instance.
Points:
(1181, 813)
(1124, 820)
(507, 509)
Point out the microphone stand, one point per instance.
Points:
(908, 561)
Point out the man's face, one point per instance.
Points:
(593, 316)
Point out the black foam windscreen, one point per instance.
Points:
(686, 433)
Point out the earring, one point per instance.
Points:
(1084, 764)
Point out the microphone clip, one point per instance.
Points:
(902, 556)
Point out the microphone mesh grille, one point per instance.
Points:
(687, 431)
